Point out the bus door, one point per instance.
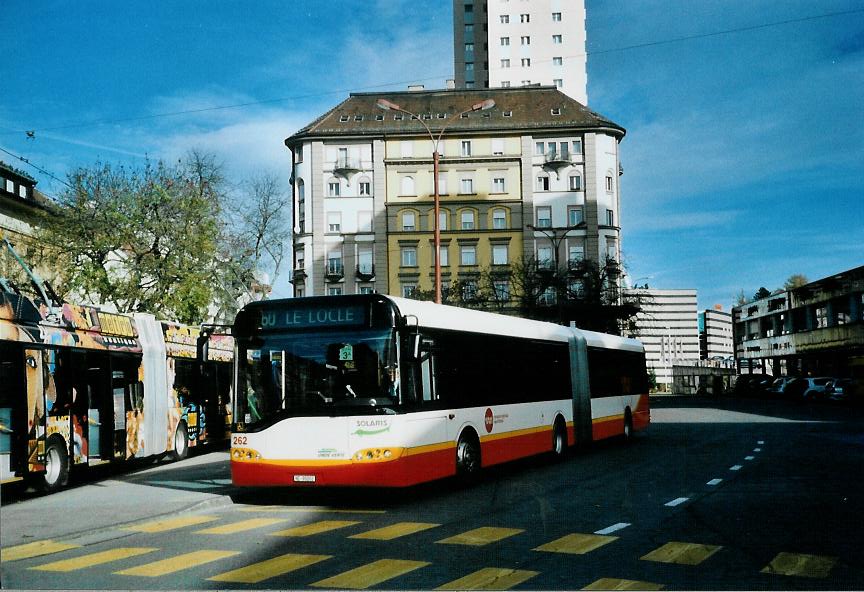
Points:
(95, 397)
(127, 404)
(13, 440)
(431, 425)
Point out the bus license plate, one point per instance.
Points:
(304, 478)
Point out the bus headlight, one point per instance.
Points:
(244, 454)
(377, 454)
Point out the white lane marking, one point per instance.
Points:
(757, 450)
(714, 482)
(676, 502)
(735, 468)
(613, 528)
(749, 457)
(760, 442)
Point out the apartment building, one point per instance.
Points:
(535, 172)
(715, 336)
(509, 43)
(816, 329)
(667, 327)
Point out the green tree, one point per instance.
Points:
(761, 293)
(795, 281)
(142, 239)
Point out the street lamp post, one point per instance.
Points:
(554, 238)
(481, 106)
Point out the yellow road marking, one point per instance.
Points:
(94, 559)
(577, 543)
(683, 553)
(258, 572)
(311, 510)
(34, 549)
(175, 564)
(395, 531)
(490, 578)
(618, 584)
(170, 523)
(242, 525)
(314, 528)
(795, 564)
(481, 536)
(371, 574)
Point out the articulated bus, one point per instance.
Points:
(81, 387)
(374, 390)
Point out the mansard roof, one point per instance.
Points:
(530, 109)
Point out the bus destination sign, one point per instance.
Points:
(312, 317)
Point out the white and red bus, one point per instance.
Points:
(381, 391)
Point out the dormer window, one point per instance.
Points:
(343, 118)
(358, 118)
(397, 117)
(556, 111)
(379, 118)
(507, 114)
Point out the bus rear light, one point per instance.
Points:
(377, 454)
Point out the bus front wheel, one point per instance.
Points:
(181, 442)
(56, 466)
(628, 425)
(559, 439)
(467, 455)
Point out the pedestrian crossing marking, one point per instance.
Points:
(264, 570)
(175, 564)
(35, 549)
(370, 574)
(94, 559)
(577, 543)
(490, 578)
(619, 584)
(388, 533)
(166, 524)
(481, 536)
(242, 526)
(314, 528)
(311, 510)
(796, 564)
(682, 553)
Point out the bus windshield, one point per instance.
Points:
(331, 373)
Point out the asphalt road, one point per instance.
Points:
(719, 494)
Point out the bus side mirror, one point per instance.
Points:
(416, 347)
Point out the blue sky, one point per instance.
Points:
(743, 160)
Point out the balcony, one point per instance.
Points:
(556, 160)
(365, 273)
(300, 275)
(346, 167)
(335, 271)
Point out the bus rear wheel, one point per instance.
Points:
(559, 439)
(56, 474)
(181, 442)
(467, 456)
(628, 425)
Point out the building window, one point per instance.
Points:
(469, 47)
(540, 148)
(469, 290)
(469, 68)
(526, 63)
(558, 61)
(574, 215)
(556, 39)
(466, 147)
(409, 290)
(364, 221)
(333, 188)
(556, 17)
(364, 260)
(575, 254)
(443, 256)
(442, 219)
(611, 251)
(364, 187)
(577, 146)
(499, 219)
(610, 218)
(558, 82)
(498, 185)
(524, 18)
(502, 290)
(526, 83)
(466, 186)
(469, 29)
(469, 84)
(408, 221)
(498, 143)
(526, 40)
(343, 118)
(543, 183)
(409, 256)
(334, 263)
(555, 111)
(334, 221)
(334, 291)
(467, 220)
(544, 257)
(505, 19)
(442, 183)
(505, 63)
(407, 185)
(505, 41)
(300, 258)
(505, 84)
(608, 183)
(406, 148)
(544, 217)
(499, 254)
(468, 255)
(575, 182)
(367, 290)
(821, 317)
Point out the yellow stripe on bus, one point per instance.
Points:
(515, 433)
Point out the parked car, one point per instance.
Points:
(844, 390)
(751, 385)
(815, 389)
(779, 385)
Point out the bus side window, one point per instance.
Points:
(427, 372)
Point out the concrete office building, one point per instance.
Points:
(715, 336)
(667, 326)
(508, 43)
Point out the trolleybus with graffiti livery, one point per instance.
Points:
(383, 391)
